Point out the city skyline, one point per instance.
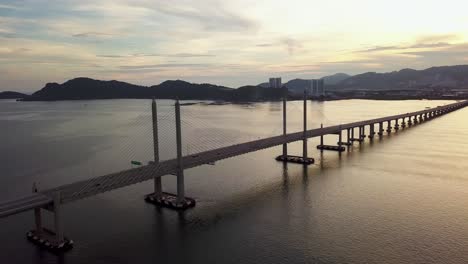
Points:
(231, 43)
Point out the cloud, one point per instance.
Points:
(164, 65)
(403, 47)
(92, 34)
(291, 44)
(212, 15)
(438, 38)
(3, 6)
(142, 55)
(265, 45)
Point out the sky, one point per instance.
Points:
(225, 42)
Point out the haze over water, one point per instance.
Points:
(401, 199)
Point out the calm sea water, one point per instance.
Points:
(401, 199)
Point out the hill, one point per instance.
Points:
(12, 95)
(86, 88)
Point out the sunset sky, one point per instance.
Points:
(228, 42)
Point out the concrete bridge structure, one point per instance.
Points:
(53, 199)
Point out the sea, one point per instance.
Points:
(401, 198)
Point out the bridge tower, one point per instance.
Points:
(43, 237)
(174, 201)
(290, 158)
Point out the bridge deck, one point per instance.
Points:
(82, 189)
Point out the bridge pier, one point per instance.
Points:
(348, 131)
(157, 180)
(371, 132)
(381, 130)
(359, 139)
(179, 201)
(403, 123)
(339, 146)
(290, 158)
(397, 126)
(321, 138)
(389, 127)
(51, 240)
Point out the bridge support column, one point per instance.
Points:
(403, 123)
(389, 126)
(340, 143)
(179, 201)
(397, 126)
(37, 215)
(58, 218)
(371, 131)
(348, 135)
(157, 180)
(304, 140)
(362, 133)
(285, 145)
(321, 138)
(290, 158)
(340, 137)
(381, 130)
(43, 237)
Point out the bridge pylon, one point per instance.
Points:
(43, 237)
(174, 201)
(304, 159)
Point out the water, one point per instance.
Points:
(401, 199)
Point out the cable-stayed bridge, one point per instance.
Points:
(53, 199)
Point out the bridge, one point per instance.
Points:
(53, 199)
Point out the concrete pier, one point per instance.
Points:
(389, 127)
(321, 138)
(45, 238)
(362, 132)
(304, 140)
(157, 180)
(372, 131)
(291, 158)
(381, 130)
(285, 145)
(179, 201)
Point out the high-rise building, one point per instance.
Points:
(314, 87)
(275, 82)
(321, 87)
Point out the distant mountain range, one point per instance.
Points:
(86, 88)
(442, 78)
(454, 77)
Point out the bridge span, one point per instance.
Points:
(53, 199)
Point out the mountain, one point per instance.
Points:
(409, 79)
(86, 88)
(335, 78)
(12, 95)
(185, 90)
